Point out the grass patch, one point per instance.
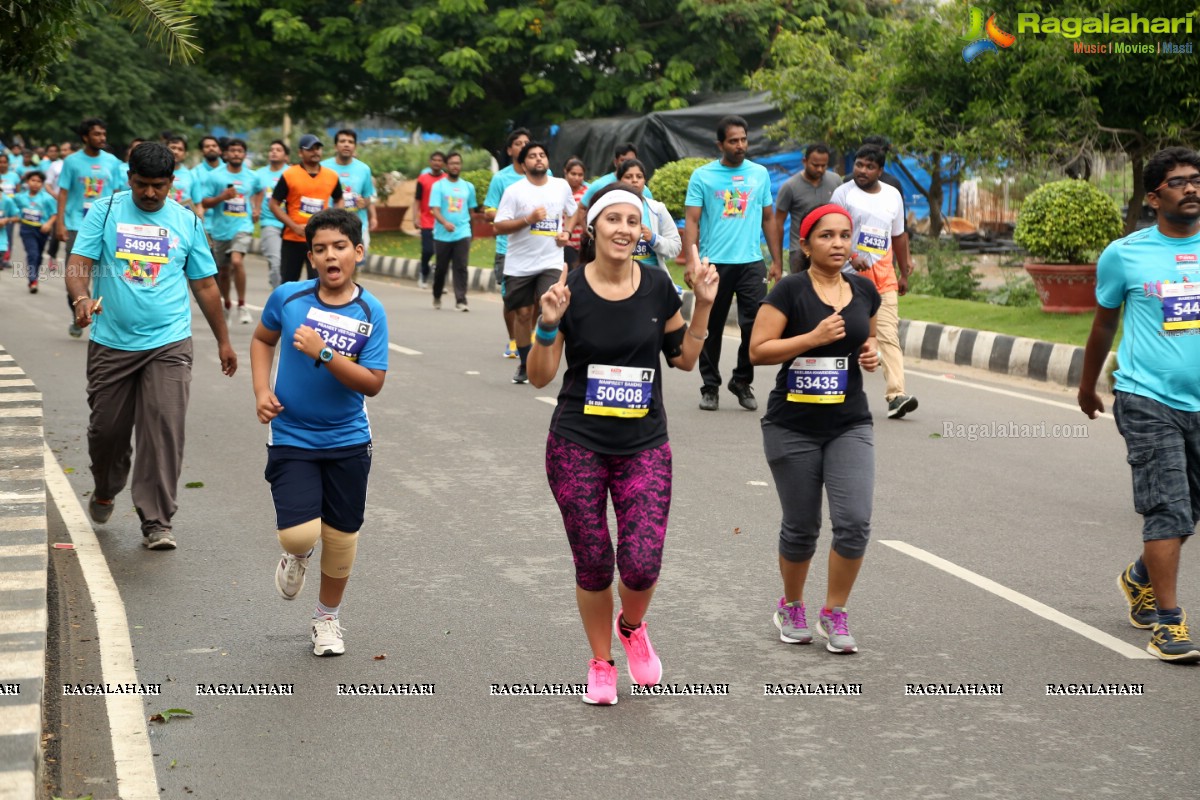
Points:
(1032, 323)
(401, 245)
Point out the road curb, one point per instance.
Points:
(23, 575)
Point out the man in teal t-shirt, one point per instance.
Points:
(210, 152)
(143, 254)
(728, 211)
(450, 202)
(183, 188)
(358, 186)
(1154, 275)
(270, 228)
(234, 194)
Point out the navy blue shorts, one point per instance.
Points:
(330, 485)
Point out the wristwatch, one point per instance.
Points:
(326, 355)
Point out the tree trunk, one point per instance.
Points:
(935, 203)
(1134, 213)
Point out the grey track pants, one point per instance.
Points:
(142, 393)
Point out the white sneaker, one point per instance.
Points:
(327, 637)
(289, 575)
(244, 315)
(228, 314)
(421, 283)
(461, 307)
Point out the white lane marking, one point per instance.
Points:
(20, 397)
(7, 382)
(757, 483)
(472, 372)
(130, 740)
(14, 413)
(550, 401)
(1028, 603)
(997, 390)
(403, 350)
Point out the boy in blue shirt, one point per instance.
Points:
(319, 444)
(37, 210)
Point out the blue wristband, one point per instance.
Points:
(546, 337)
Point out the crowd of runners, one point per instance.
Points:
(583, 272)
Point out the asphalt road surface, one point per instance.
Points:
(464, 580)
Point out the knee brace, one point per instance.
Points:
(338, 549)
(300, 539)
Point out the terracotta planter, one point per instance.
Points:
(480, 227)
(390, 217)
(1064, 288)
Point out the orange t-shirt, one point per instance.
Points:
(306, 194)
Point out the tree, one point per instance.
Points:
(40, 34)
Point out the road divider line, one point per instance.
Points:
(403, 350)
(126, 719)
(996, 390)
(550, 401)
(1028, 603)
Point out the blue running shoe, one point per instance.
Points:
(1143, 607)
(1171, 642)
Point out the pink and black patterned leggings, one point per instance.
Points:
(640, 485)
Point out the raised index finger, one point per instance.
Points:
(562, 279)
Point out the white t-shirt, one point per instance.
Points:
(52, 174)
(877, 218)
(532, 249)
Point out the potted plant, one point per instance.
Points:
(1063, 226)
(669, 184)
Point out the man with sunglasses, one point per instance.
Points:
(1154, 275)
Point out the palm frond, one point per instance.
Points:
(166, 23)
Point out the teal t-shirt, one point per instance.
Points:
(454, 199)
(8, 208)
(10, 182)
(731, 202)
(267, 178)
(142, 264)
(183, 186)
(605, 180)
(86, 179)
(1157, 278)
(356, 182)
(200, 181)
(235, 215)
(35, 210)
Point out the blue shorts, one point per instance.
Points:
(1163, 446)
(330, 485)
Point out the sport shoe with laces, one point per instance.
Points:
(709, 401)
(244, 317)
(102, 512)
(158, 538)
(645, 668)
(521, 375)
(1170, 642)
(1143, 607)
(834, 626)
(511, 350)
(289, 575)
(602, 684)
(792, 622)
(327, 637)
(744, 395)
(901, 405)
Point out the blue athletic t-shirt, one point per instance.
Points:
(10, 182)
(142, 264)
(183, 186)
(454, 199)
(356, 183)
(267, 178)
(1157, 277)
(8, 208)
(605, 180)
(36, 210)
(319, 411)
(235, 215)
(500, 181)
(731, 200)
(200, 181)
(86, 179)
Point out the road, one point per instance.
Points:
(464, 580)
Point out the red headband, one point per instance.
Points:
(817, 213)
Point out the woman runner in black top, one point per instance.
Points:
(820, 326)
(608, 435)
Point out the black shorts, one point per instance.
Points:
(527, 290)
(330, 485)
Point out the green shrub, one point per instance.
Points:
(1067, 221)
(670, 183)
(1018, 291)
(480, 178)
(946, 274)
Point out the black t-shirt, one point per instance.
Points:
(611, 396)
(816, 378)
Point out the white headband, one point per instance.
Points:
(612, 199)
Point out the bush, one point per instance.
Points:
(946, 274)
(670, 183)
(480, 178)
(1067, 221)
(1018, 291)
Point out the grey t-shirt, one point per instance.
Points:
(798, 197)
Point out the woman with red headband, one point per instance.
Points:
(817, 432)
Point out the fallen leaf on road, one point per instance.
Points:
(736, 531)
(165, 716)
(381, 657)
(68, 470)
(935, 436)
(194, 485)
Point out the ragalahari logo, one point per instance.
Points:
(985, 38)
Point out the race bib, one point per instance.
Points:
(818, 380)
(143, 243)
(349, 198)
(344, 335)
(872, 240)
(618, 391)
(310, 206)
(643, 252)
(9, 189)
(31, 215)
(236, 206)
(546, 227)
(1181, 306)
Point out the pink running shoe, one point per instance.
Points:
(644, 665)
(602, 684)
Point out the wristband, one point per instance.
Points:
(691, 333)
(545, 340)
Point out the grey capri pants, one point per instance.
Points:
(801, 464)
